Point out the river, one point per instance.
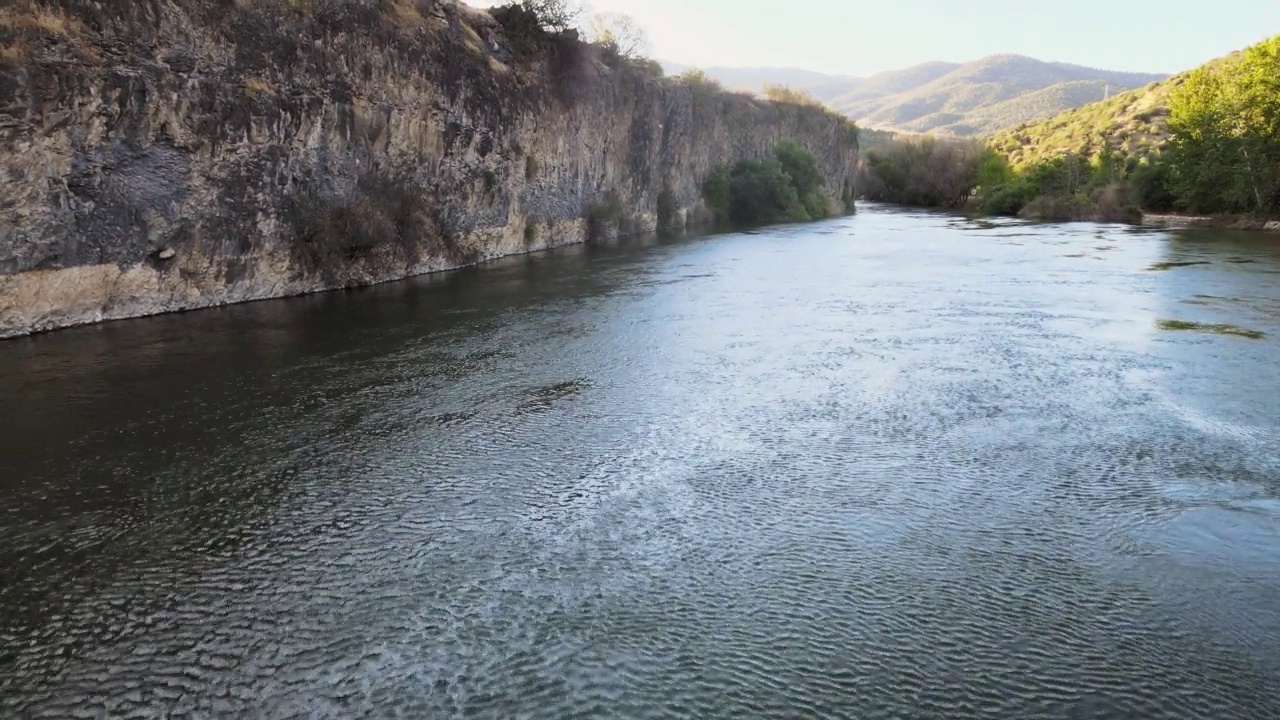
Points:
(893, 465)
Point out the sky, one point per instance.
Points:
(853, 37)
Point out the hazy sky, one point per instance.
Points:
(859, 38)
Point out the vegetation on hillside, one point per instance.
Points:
(1134, 123)
(1206, 141)
(785, 187)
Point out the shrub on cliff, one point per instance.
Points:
(619, 34)
(701, 86)
(552, 16)
(605, 218)
(717, 193)
(667, 211)
(762, 193)
(788, 94)
(530, 25)
(800, 166)
(648, 67)
(388, 221)
(785, 187)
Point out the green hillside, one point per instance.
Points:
(1133, 123)
(1205, 141)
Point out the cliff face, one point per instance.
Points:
(171, 154)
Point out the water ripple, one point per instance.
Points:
(897, 465)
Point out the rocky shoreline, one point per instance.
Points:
(182, 154)
(1197, 221)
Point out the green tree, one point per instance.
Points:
(1225, 151)
(928, 171)
(787, 186)
(1108, 165)
(763, 193)
(801, 167)
(1149, 185)
(993, 170)
(718, 194)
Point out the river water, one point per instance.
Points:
(892, 465)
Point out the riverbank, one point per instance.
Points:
(202, 154)
(1055, 210)
(1212, 221)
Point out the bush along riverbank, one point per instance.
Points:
(786, 186)
(1217, 162)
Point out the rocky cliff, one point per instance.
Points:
(171, 154)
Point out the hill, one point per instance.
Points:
(1205, 142)
(1028, 107)
(891, 82)
(974, 98)
(979, 97)
(1132, 122)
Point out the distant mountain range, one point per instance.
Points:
(974, 98)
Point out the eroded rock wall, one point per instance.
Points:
(172, 154)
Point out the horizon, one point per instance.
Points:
(718, 33)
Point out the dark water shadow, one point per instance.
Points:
(97, 483)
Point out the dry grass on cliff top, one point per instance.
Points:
(405, 14)
(24, 16)
(28, 29)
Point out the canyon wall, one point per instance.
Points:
(163, 155)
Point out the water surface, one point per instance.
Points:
(894, 465)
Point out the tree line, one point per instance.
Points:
(529, 21)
